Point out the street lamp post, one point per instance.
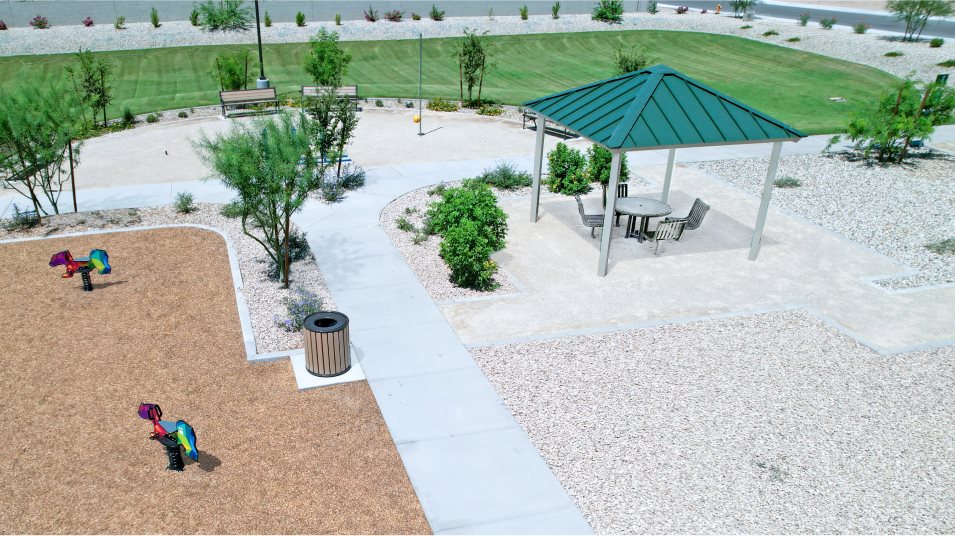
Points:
(262, 82)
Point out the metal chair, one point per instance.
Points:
(590, 220)
(667, 230)
(621, 192)
(694, 218)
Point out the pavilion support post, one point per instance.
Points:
(607, 229)
(671, 158)
(538, 168)
(764, 202)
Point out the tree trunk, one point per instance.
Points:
(908, 137)
(102, 81)
(461, 77)
(480, 86)
(287, 256)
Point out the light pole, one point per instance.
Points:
(262, 82)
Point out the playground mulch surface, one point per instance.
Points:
(163, 328)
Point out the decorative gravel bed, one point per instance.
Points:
(264, 297)
(423, 258)
(771, 423)
(893, 209)
(868, 49)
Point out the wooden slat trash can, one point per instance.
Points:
(326, 344)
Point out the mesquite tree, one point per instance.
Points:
(347, 118)
(36, 129)
(915, 14)
(327, 63)
(473, 55)
(272, 167)
(93, 81)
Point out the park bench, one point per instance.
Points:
(349, 92)
(530, 115)
(248, 96)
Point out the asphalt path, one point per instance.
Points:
(19, 13)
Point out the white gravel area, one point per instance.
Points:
(771, 423)
(265, 298)
(868, 49)
(894, 209)
(424, 259)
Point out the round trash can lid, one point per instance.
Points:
(325, 322)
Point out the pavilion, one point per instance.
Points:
(656, 108)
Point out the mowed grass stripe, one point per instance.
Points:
(791, 85)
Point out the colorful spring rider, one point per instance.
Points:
(97, 260)
(171, 435)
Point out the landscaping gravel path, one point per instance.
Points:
(771, 423)
(840, 42)
(894, 209)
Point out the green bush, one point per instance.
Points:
(827, 22)
(128, 117)
(505, 176)
(403, 224)
(770, 32)
(338, 19)
(523, 11)
(804, 19)
(438, 189)
(555, 10)
(947, 63)
(352, 177)
(120, 23)
(793, 40)
(224, 15)
(21, 220)
(628, 61)
(787, 182)
(598, 167)
(300, 19)
(860, 28)
(152, 118)
(440, 104)
(154, 18)
(194, 17)
(231, 210)
(490, 109)
(415, 16)
(182, 114)
(436, 14)
(652, 7)
(566, 169)
(468, 255)
(268, 20)
(472, 201)
(379, 103)
(745, 27)
(184, 203)
(233, 70)
(936, 42)
(893, 54)
(609, 11)
(942, 247)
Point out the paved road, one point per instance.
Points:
(18, 12)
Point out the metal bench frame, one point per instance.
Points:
(248, 96)
(349, 92)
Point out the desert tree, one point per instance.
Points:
(326, 62)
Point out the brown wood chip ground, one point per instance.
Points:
(163, 328)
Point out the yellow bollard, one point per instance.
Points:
(416, 118)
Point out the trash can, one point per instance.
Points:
(326, 344)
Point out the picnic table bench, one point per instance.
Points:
(349, 92)
(530, 115)
(248, 96)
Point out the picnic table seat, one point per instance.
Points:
(695, 218)
(589, 220)
(667, 230)
(248, 96)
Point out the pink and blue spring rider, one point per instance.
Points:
(171, 435)
(97, 260)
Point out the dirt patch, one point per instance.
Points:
(163, 328)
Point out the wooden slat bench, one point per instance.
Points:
(530, 115)
(350, 92)
(248, 96)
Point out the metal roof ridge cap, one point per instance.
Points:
(633, 112)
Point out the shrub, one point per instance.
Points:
(394, 15)
(473, 201)
(555, 10)
(609, 11)
(827, 22)
(3, 25)
(154, 18)
(947, 63)
(21, 220)
(326, 62)
(352, 177)
(787, 182)
(652, 7)
(183, 203)
(793, 40)
(566, 169)
(436, 14)
(682, 10)
(182, 114)
(468, 256)
(942, 247)
(128, 117)
(152, 118)
(415, 16)
(860, 28)
(505, 176)
(88, 21)
(194, 17)
(268, 20)
(224, 15)
(120, 23)
(936, 42)
(379, 103)
(338, 19)
(403, 224)
(300, 19)
(40, 23)
(233, 70)
(419, 238)
(332, 190)
(628, 61)
(770, 32)
(490, 109)
(804, 19)
(599, 161)
(523, 11)
(741, 7)
(299, 306)
(440, 104)
(893, 54)
(409, 104)
(231, 210)
(745, 27)
(371, 15)
(438, 189)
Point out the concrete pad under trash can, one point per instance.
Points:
(306, 380)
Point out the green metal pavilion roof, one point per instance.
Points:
(658, 107)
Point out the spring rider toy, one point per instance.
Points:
(97, 260)
(171, 435)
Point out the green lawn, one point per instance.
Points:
(790, 85)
